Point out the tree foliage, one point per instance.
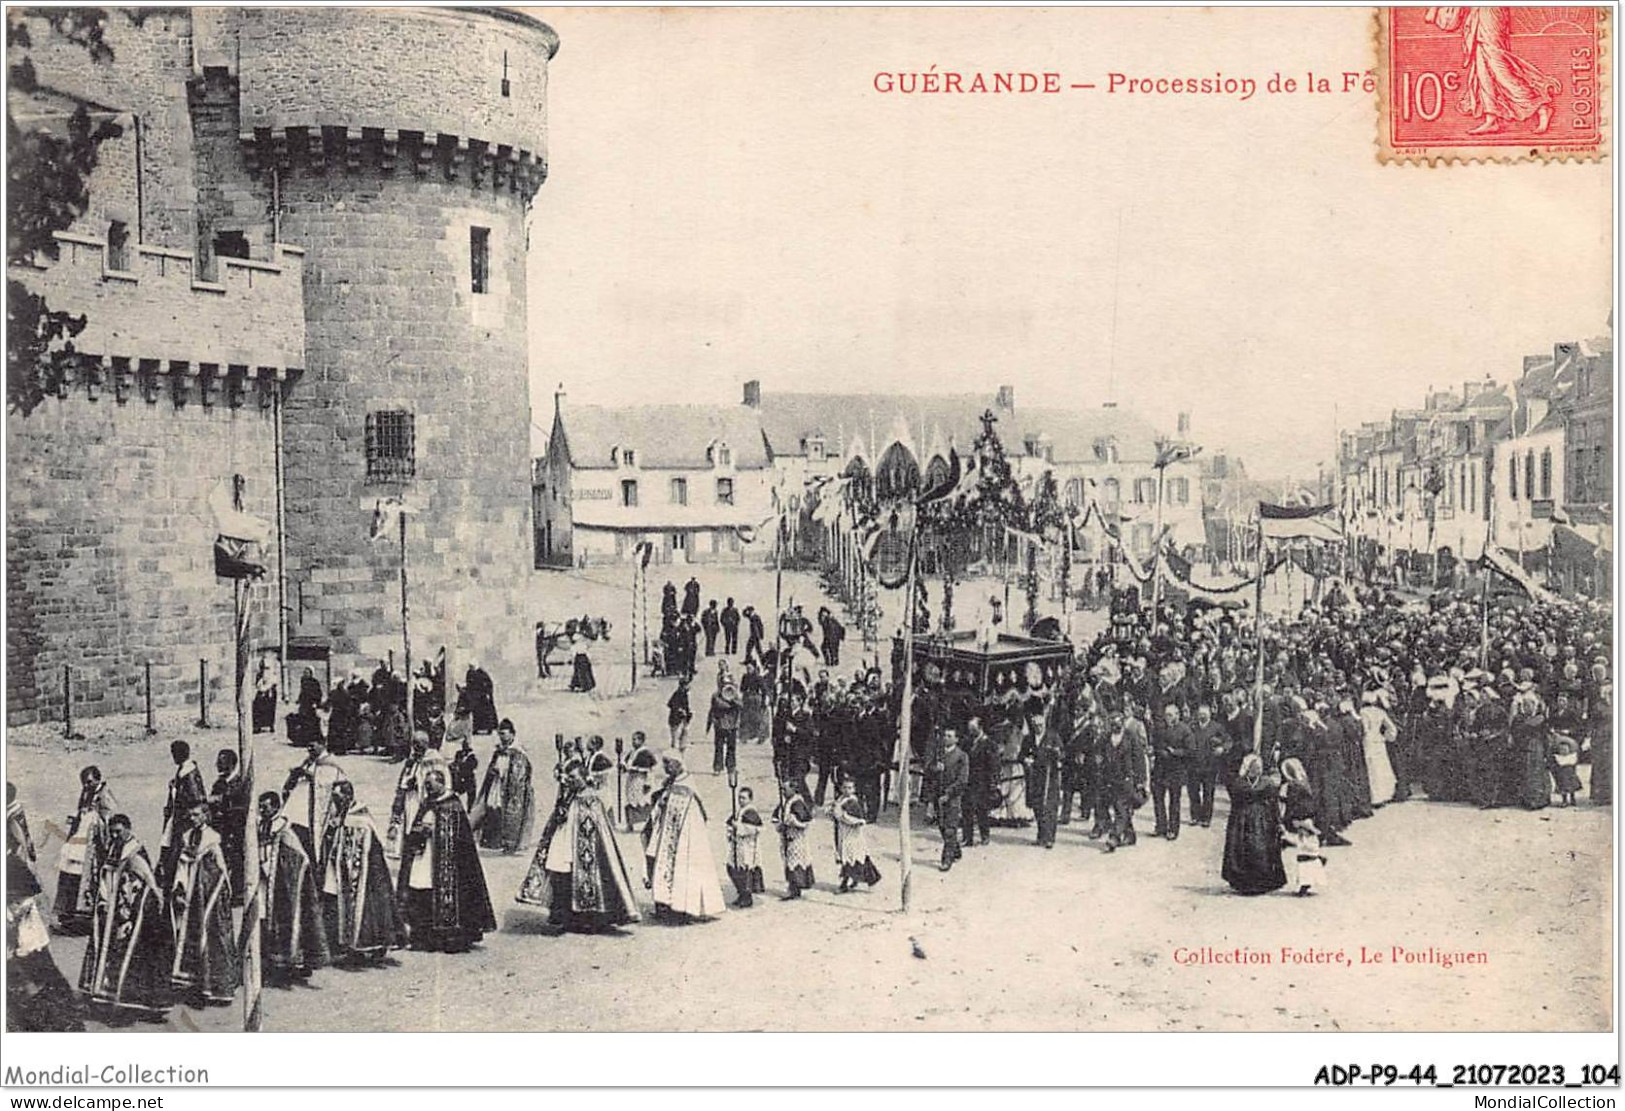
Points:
(47, 189)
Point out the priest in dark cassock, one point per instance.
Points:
(578, 873)
(130, 956)
(507, 801)
(200, 916)
(295, 940)
(481, 697)
(442, 884)
(358, 897)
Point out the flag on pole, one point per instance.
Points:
(748, 532)
(1172, 453)
(1508, 568)
(385, 513)
(240, 539)
(1298, 522)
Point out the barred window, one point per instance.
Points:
(725, 491)
(391, 446)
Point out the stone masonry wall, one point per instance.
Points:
(146, 79)
(392, 324)
(109, 558)
(434, 70)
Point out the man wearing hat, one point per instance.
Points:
(722, 720)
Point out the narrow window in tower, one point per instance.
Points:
(479, 258)
(505, 86)
(391, 446)
(118, 246)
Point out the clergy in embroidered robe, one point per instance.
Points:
(358, 897)
(308, 793)
(682, 874)
(185, 790)
(200, 916)
(442, 884)
(409, 792)
(128, 961)
(578, 873)
(79, 864)
(507, 802)
(295, 940)
(228, 814)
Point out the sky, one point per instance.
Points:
(730, 198)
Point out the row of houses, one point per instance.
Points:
(696, 481)
(1527, 466)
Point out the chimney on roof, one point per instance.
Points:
(753, 393)
(1006, 399)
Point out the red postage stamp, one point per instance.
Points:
(1495, 84)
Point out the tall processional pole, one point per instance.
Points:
(905, 749)
(253, 899)
(1258, 617)
(406, 637)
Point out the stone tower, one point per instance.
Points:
(401, 148)
(305, 256)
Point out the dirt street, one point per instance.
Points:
(1014, 938)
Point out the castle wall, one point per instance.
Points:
(145, 81)
(392, 325)
(109, 538)
(374, 140)
(388, 140)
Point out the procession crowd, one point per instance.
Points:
(1360, 702)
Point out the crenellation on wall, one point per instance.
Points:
(160, 309)
(375, 140)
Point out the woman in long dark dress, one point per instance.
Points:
(581, 676)
(1529, 780)
(1602, 746)
(1252, 836)
(1330, 779)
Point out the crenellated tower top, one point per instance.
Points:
(456, 93)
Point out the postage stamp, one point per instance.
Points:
(1492, 84)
